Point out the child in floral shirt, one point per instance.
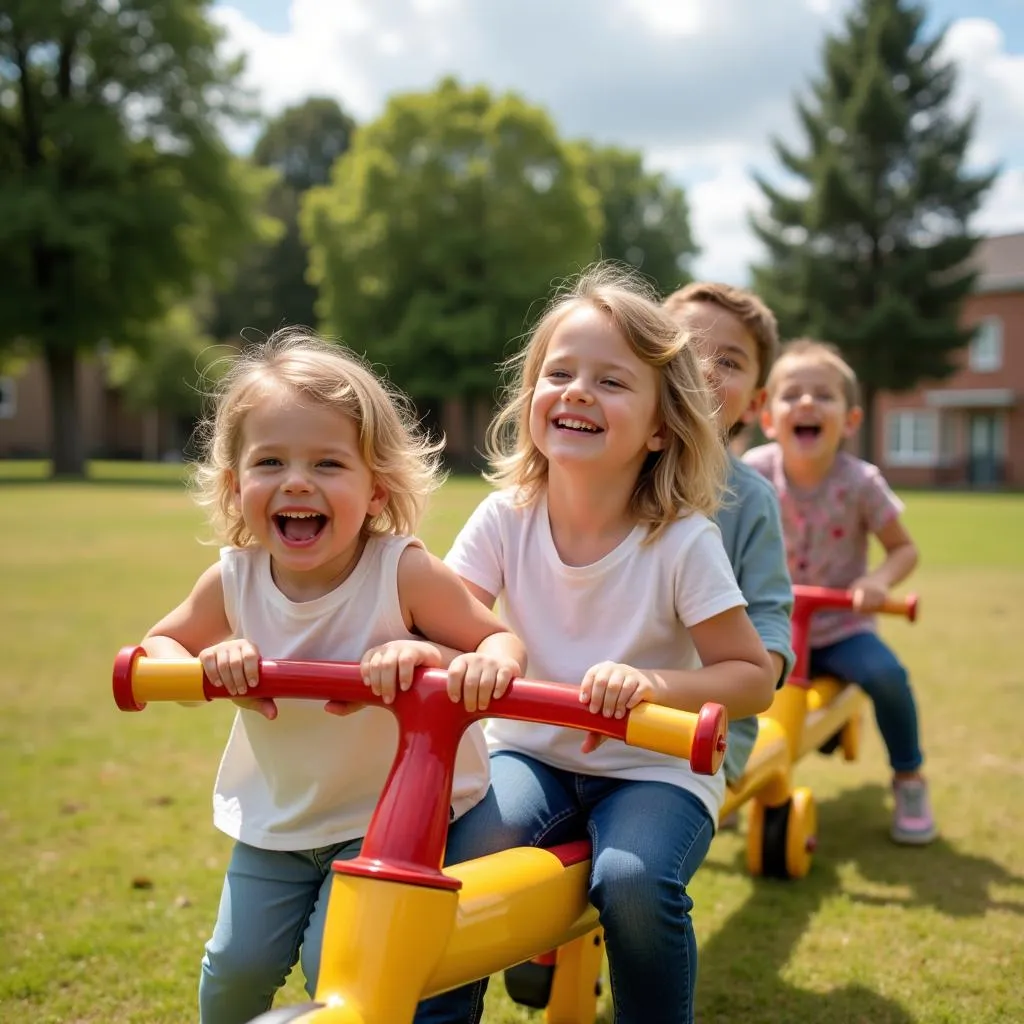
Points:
(831, 504)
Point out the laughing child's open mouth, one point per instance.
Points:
(299, 527)
(807, 431)
(577, 426)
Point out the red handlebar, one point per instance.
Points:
(525, 700)
(406, 836)
(808, 600)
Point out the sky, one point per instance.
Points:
(699, 86)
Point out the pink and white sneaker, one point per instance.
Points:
(912, 820)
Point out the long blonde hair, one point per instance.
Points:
(398, 455)
(688, 474)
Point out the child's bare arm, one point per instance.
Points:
(199, 628)
(198, 622)
(735, 671)
(452, 620)
(901, 557)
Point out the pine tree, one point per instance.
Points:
(872, 253)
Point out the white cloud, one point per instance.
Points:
(720, 208)
(679, 19)
(699, 85)
(992, 80)
(1003, 210)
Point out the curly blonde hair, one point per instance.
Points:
(399, 456)
(689, 473)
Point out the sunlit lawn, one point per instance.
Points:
(110, 867)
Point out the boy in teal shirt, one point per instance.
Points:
(738, 337)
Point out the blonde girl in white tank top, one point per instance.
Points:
(314, 478)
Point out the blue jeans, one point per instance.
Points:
(273, 902)
(648, 840)
(864, 659)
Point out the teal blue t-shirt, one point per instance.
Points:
(751, 529)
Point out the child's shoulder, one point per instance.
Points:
(509, 503)
(232, 557)
(853, 470)
(764, 457)
(747, 484)
(681, 533)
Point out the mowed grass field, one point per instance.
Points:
(110, 868)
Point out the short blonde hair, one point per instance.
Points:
(755, 316)
(688, 474)
(311, 369)
(810, 350)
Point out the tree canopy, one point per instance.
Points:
(118, 191)
(270, 288)
(646, 216)
(450, 217)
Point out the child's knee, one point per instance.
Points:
(310, 961)
(244, 967)
(886, 675)
(631, 895)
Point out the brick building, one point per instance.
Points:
(968, 430)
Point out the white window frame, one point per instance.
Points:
(905, 423)
(985, 352)
(8, 398)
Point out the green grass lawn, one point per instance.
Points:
(110, 868)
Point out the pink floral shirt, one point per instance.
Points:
(827, 529)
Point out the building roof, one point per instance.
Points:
(999, 260)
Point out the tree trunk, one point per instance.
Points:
(151, 435)
(66, 438)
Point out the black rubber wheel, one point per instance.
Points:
(286, 1014)
(773, 841)
(529, 984)
(831, 745)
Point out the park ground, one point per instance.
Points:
(110, 868)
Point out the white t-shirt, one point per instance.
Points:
(309, 779)
(634, 606)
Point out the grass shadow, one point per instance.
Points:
(939, 877)
(743, 963)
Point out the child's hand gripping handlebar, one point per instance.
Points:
(808, 600)
(407, 833)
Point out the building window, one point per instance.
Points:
(8, 398)
(985, 354)
(912, 438)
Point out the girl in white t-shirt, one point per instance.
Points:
(600, 552)
(315, 478)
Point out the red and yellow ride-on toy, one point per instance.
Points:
(806, 715)
(398, 928)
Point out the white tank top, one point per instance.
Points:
(309, 779)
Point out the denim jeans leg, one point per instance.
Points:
(313, 937)
(866, 660)
(649, 838)
(528, 804)
(264, 906)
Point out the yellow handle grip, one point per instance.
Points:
(139, 680)
(699, 738)
(663, 730)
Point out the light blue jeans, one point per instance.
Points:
(866, 660)
(272, 905)
(648, 840)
